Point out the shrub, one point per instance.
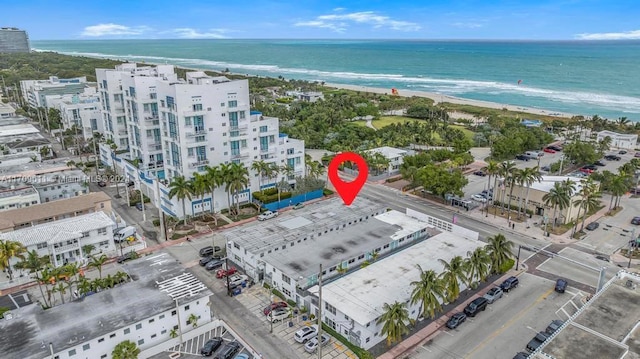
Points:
(156, 222)
(327, 192)
(264, 198)
(291, 303)
(361, 353)
(267, 286)
(507, 265)
(278, 294)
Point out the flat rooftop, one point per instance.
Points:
(324, 217)
(34, 168)
(341, 243)
(547, 183)
(361, 295)
(607, 326)
(16, 120)
(17, 129)
(102, 313)
(17, 191)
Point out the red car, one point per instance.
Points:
(586, 170)
(274, 306)
(221, 273)
(549, 150)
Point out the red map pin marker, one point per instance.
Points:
(348, 190)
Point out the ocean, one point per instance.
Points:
(578, 77)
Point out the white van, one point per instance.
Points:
(124, 233)
(534, 154)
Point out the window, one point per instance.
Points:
(103, 356)
(151, 320)
(186, 307)
(197, 107)
(127, 331)
(42, 245)
(86, 347)
(153, 336)
(138, 326)
(141, 341)
(85, 234)
(102, 231)
(100, 340)
(233, 103)
(72, 352)
(264, 128)
(286, 279)
(330, 308)
(385, 246)
(112, 335)
(161, 316)
(367, 340)
(163, 331)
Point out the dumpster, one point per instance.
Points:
(237, 291)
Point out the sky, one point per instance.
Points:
(325, 19)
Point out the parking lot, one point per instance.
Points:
(191, 347)
(507, 325)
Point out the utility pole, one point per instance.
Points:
(226, 264)
(561, 163)
(95, 153)
(320, 313)
(631, 243)
(163, 230)
(144, 216)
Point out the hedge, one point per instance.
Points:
(507, 265)
(361, 353)
(278, 294)
(264, 198)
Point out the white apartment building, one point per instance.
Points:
(14, 196)
(82, 110)
(62, 240)
(626, 141)
(161, 296)
(35, 92)
(394, 155)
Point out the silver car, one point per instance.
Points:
(493, 294)
(312, 345)
(306, 333)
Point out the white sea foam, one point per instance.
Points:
(454, 87)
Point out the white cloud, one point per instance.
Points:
(467, 25)
(338, 9)
(627, 35)
(113, 30)
(339, 22)
(189, 33)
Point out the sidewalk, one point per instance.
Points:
(433, 329)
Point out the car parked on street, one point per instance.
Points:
(561, 285)
(274, 306)
(592, 226)
(479, 198)
(221, 273)
(312, 345)
(102, 184)
(206, 251)
(476, 306)
(599, 163)
(554, 326)
(622, 152)
(602, 258)
(299, 205)
(242, 356)
(237, 279)
(305, 333)
(214, 264)
(509, 283)
(494, 294)
(211, 346)
(127, 256)
(268, 215)
(204, 260)
(521, 355)
(635, 220)
(555, 148)
(535, 343)
(456, 320)
(612, 158)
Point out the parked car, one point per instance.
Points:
(591, 167)
(549, 150)
(298, 205)
(602, 258)
(479, 198)
(242, 356)
(521, 355)
(599, 163)
(221, 273)
(546, 168)
(206, 251)
(554, 326)
(494, 294)
(586, 170)
(274, 306)
(237, 279)
(555, 148)
(509, 283)
(305, 333)
(267, 215)
(214, 264)
(228, 351)
(522, 158)
(480, 173)
(211, 346)
(592, 226)
(622, 152)
(279, 314)
(537, 341)
(456, 320)
(637, 155)
(139, 206)
(312, 345)
(126, 257)
(561, 285)
(477, 305)
(612, 158)
(635, 220)
(204, 260)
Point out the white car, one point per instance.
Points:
(279, 314)
(479, 198)
(237, 279)
(312, 345)
(306, 333)
(267, 215)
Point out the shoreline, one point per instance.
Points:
(437, 98)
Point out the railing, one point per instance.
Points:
(240, 154)
(152, 117)
(199, 163)
(197, 132)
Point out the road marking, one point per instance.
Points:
(447, 332)
(510, 322)
(535, 331)
(572, 293)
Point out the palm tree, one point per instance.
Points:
(173, 333)
(62, 289)
(199, 187)
(429, 291)
(395, 320)
(214, 180)
(478, 265)
(8, 250)
(260, 167)
(125, 350)
(558, 198)
(181, 188)
(590, 199)
(97, 262)
(83, 286)
(527, 177)
(499, 251)
(506, 170)
(237, 181)
(452, 274)
(193, 320)
(316, 169)
(87, 249)
(34, 263)
(272, 171)
(618, 186)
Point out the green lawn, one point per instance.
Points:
(389, 120)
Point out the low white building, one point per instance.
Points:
(19, 138)
(352, 304)
(6, 110)
(394, 155)
(161, 296)
(619, 140)
(62, 240)
(15, 196)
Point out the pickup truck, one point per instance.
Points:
(267, 215)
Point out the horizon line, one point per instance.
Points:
(350, 39)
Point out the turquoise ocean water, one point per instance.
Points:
(581, 77)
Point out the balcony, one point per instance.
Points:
(155, 147)
(197, 132)
(198, 163)
(237, 154)
(122, 133)
(239, 127)
(151, 117)
(267, 150)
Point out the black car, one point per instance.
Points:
(126, 257)
(612, 158)
(214, 264)
(622, 152)
(561, 285)
(228, 351)
(211, 346)
(456, 320)
(599, 163)
(635, 220)
(480, 173)
(204, 260)
(546, 168)
(509, 283)
(602, 258)
(537, 341)
(521, 355)
(206, 251)
(590, 167)
(554, 326)
(477, 305)
(592, 226)
(555, 148)
(522, 158)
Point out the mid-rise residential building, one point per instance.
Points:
(81, 110)
(35, 92)
(18, 195)
(13, 40)
(160, 297)
(62, 240)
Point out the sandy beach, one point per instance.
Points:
(437, 98)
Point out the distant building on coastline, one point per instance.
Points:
(13, 40)
(619, 140)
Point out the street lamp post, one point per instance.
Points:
(144, 216)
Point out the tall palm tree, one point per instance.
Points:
(478, 265)
(505, 171)
(125, 350)
(499, 251)
(528, 177)
(395, 320)
(214, 180)
(618, 186)
(193, 319)
(429, 291)
(590, 199)
(260, 167)
(237, 181)
(97, 262)
(558, 198)
(34, 263)
(452, 274)
(272, 171)
(199, 187)
(87, 249)
(181, 188)
(9, 250)
(316, 169)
